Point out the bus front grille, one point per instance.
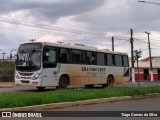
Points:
(24, 81)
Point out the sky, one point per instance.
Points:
(87, 22)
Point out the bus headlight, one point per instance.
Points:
(36, 76)
(17, 76)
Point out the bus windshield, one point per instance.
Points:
(28, 60)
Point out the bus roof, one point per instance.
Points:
(80, 47)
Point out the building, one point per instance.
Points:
(144, 69)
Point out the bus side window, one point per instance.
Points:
(105, 59)
(49, 58)
(93, 59)
(63, 55)
(118, 59)
(125, 61)
(84, 61)
(45, 57)
(113, 60)
(100, 59)
(88, 59)
(77, 56)
(110, 60)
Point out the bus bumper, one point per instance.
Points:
(28, 82)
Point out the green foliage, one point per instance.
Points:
(9, 100)
(7, 71)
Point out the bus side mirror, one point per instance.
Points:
(15, 56)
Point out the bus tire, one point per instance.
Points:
(110, 81)
(63, 82)
(40, 88)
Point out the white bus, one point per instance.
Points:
(45, 64)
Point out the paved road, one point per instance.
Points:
(150, 104)
(31, 88)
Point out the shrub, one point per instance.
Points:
(7, 71)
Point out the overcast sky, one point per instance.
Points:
(88, 22)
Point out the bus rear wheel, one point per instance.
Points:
(63, 82)
(110, 81)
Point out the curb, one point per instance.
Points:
(6, 86)
(78, 103)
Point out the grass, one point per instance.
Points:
(7, 71)
(10, 100)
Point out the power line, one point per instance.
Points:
(43, 11)
(39, 17)
(15, 21)
(94, 25)
(140, 40)
(12, 21)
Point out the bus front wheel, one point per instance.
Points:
(63, 82)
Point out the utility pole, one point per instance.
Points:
(150, 57)
(32, 40)
(151, 70)
(3, 55)
(132, 57)
(112, 43)
(137, 56)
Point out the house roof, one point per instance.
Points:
(148, 58)
(145, 63)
